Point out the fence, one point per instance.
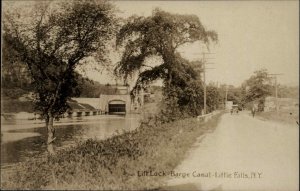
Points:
(206, 117)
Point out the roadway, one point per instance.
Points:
(243, 153)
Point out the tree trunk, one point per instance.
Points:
(50, 131)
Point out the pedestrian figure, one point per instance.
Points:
(253, 111)
(231, 111)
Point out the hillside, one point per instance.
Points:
(88, 88)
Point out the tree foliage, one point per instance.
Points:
(258, 87)
(234, 94)
(160, 35)
(52, 39)
(92, 89)
(14, 73)
(214, 98)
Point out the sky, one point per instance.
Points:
(252, 35)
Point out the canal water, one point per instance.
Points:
(21, 139)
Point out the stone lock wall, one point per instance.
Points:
(106, 99)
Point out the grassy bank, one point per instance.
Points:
(112, 164)
(284, 116)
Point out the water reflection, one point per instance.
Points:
(19, 140)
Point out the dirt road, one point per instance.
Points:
(243, 153)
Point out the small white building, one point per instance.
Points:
(228, 105)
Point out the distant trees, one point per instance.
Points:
(52, 39)
(234, 94)
(160, 35)
(258, 87)
(92, 89)
(214, 98)
(14, 73)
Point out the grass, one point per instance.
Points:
(112, 164)
(289, 116)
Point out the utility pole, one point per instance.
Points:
(204, 82)
(226, 94)
(276, 91)
(204, 71)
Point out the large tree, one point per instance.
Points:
(161, 34)
(52, 39)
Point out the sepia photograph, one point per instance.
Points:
(150, 95)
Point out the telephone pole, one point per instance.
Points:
(204, 83)
(276, 91)
(204, 72)
(226, 94)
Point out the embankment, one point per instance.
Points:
(118, 163)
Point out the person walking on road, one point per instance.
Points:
(253, 110)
